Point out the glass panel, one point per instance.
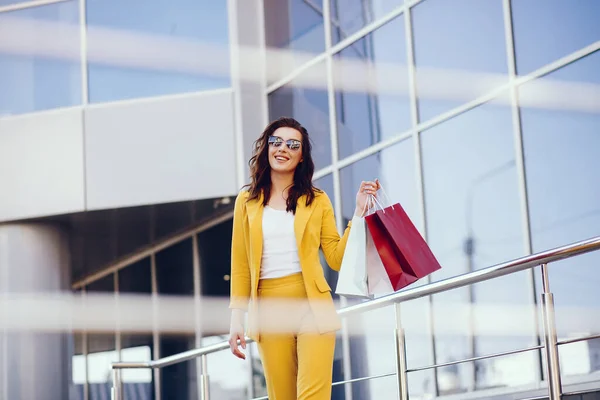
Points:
(178, 381)
(546, 30)
(170, 218)
(310, 107)
(175, 279)
(460, 52)
(372, 343)
(40, 69)
(223, 366)
(214, 246)
(133, 229)
(159, 51)
(349, 16)
(294, 34)
(561, 142)
(10, 2)
(395, 169)
(579, 360)
(371, 102)
(385, 388)
(101, 346)
(325, 183)
(135, 284)
(474, 221)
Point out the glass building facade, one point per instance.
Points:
(482, 118)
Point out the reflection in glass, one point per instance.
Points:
(546, 30)
(294, 33)
(460, 52)
(38, 74)
(159, 51)
(175, 277)
(379, 108)
(349, 16)
(474, 221)
(561, 145)
(101, 346)
(310, 107)
(135, 283)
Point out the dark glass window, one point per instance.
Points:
(294, 33)
(310, 107)
(562, 147)
(41, 69)
(135, 285)
(371, 89)
(546, 30)
(350, 16)
(149, 48)
(214, 246)
(460, 52)
(474, 220)
(175, 278)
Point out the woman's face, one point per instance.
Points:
(285, 150)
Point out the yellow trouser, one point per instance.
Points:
(297, 361)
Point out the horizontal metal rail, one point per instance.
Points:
(578, 339)
(479, 358)
(485, 274)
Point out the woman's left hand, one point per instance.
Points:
(366, 189)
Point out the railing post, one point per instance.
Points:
(116, 386)
(400, 346)
(550, 339)
(204, 384)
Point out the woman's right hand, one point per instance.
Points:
(236, 332)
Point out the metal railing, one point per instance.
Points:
(550, 341)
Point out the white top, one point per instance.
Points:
(280, 252)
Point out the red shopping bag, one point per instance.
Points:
(403, 251)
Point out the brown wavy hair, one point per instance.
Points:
(260, 169)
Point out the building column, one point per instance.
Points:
(34, 364)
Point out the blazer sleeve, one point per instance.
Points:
(240, 267)
(332, 244)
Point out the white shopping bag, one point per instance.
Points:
(352, 278)
(378, 279)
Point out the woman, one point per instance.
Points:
(279, 224)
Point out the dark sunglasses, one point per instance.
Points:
(291, 144)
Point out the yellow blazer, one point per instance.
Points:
(315, 228)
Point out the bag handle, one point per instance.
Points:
(373, 199)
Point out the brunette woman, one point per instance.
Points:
(279, 224)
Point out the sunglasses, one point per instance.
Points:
(291, 144)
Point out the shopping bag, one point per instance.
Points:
(352, 278)
(403, 251)
(377, 278)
